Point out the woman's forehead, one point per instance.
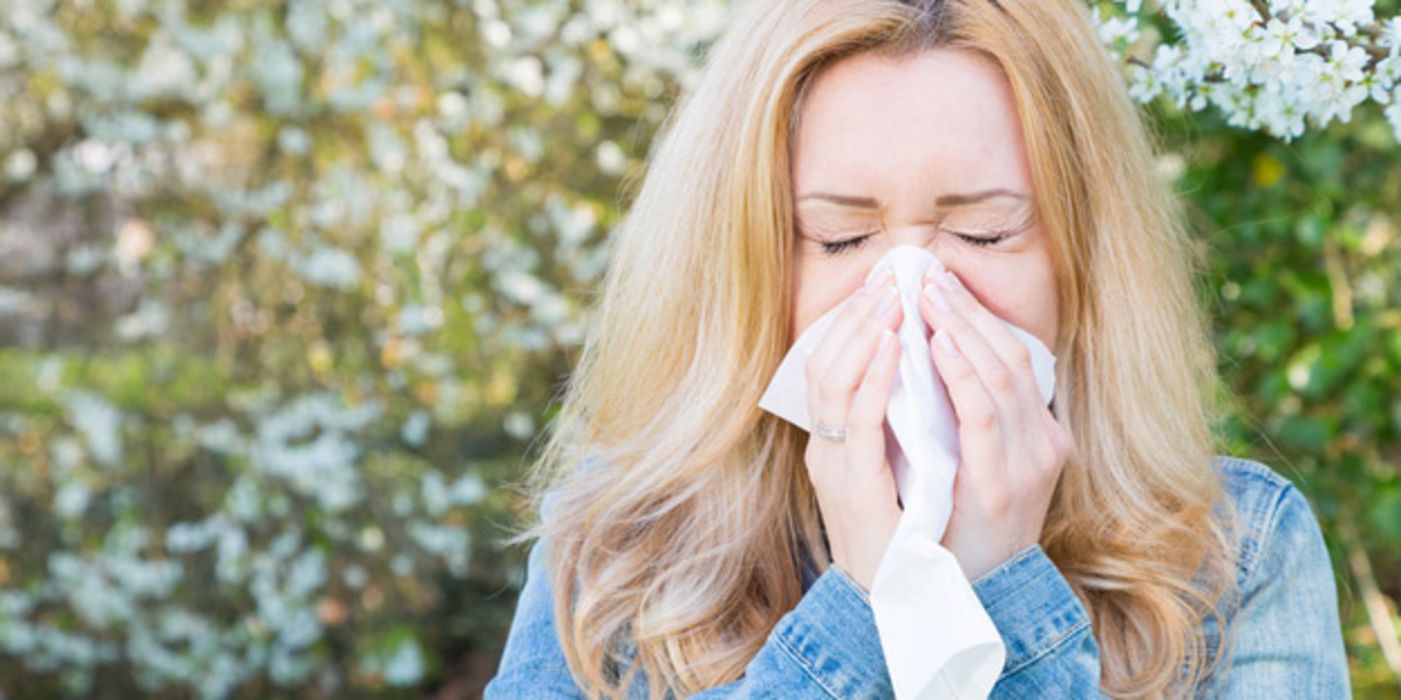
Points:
(941, 118)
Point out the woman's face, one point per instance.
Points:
(925, 150)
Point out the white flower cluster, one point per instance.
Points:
(1278, 66)
(259, 611)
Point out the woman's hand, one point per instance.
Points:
(849, 377)
(1012, 447)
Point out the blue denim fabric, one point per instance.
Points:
(1288, 640)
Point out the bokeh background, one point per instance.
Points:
(288, 287)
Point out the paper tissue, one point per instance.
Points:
(937, 639)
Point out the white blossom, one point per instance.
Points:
(1276, 66)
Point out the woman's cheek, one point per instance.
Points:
(1030, 305)
(818, 290)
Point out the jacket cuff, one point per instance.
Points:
(1032, 605)
(832, 635)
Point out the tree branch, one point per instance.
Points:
(1373, 600)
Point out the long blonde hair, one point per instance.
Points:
(684, 537)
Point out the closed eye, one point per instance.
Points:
(839, 247)
(983, 240)
(980, 240)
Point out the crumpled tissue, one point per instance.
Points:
(937, 639)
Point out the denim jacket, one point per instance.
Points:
(1288, 639)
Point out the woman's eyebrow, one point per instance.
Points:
(951, 200)
(844, 200)
(956, 199)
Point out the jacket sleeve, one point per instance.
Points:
(1288, 636)
(826, 647)
(1045, 629)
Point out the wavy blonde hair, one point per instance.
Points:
(684, 539)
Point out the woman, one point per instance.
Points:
(686, 535)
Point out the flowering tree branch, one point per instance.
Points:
(1276, 66)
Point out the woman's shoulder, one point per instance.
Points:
(1254, 487)
(1273, 517)
(1287, 636)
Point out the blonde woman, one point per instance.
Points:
(693, 545)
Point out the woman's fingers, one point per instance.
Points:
(1000, 383)
(855, 489)
(849, 367)
(861, 303)
(1011, 452)
(977, 414)
(1003, 366)
(837, 390)
(1015, 356)
(836, 367)
(866, 418)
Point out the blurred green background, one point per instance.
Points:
(287, 290)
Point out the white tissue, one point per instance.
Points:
(937, 639)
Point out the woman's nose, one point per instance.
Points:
(922, 235)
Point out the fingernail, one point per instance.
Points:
(945, 343)
(937, 297)
(885, 336)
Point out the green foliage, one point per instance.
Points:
(1305, 280)
(284, 289)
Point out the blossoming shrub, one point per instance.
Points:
(286, 287)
